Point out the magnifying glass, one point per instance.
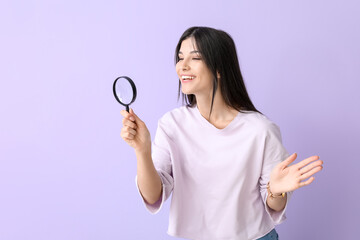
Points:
(124, 91)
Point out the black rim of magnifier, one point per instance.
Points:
(133, 88)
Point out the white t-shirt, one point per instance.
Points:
(217, 177)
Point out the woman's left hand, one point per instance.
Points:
(284, 178)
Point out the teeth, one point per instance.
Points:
(187, 77)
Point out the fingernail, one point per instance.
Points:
(132, 118)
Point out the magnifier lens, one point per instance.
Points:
(124, 91)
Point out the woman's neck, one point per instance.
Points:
(221, 113)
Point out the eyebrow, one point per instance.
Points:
(190, 52)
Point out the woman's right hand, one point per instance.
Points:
(134, 132)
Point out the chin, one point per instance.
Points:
(186, 91)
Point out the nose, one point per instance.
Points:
(184, 64)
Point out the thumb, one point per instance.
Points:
(289, 160)
(133, 114)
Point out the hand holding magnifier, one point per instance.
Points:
(124, 91)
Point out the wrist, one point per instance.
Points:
(274, 194)
(143, 154)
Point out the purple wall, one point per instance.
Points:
(65, 172)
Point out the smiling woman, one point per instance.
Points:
(222, 160)
(212, 54)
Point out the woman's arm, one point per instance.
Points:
(136, 134)
(148, 179)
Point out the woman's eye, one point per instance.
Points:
(180, 59)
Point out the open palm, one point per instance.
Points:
(285, 178)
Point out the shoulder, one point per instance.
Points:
(173, 120)
(175, 115)
(260, 123)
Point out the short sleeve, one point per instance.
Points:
(160, 154)
(274, 153)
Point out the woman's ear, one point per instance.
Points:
(218, 75)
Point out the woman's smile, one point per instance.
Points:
(187, 78)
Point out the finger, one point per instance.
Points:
(307, 182)
(128, 140)
(127, 135)
(289, 160)
(129, 123)
(127, 115)
(311, 166)
(310, 173)
(124, 113)
(127, 131)
(306, 161)
(131, 131)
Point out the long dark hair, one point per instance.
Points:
(217, 48)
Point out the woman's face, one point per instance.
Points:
(193, 73)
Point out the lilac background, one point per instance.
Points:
(65, 172)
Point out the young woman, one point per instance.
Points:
(222, 159)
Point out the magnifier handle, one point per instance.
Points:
(127, 108)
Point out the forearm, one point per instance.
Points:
(147, 177)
